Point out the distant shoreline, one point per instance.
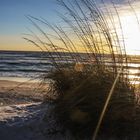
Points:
(39, 51)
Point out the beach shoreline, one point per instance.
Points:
(22, 110)
(18, 92)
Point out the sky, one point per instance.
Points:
(13, 22)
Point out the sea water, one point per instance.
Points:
(23, 65)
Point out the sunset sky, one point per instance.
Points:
(13, 23)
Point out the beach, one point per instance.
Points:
(24, 115)
(22, 93)
(13, 92)
(74, 75)
(22, 111)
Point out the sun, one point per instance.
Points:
(130, 26)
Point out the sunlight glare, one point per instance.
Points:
(131, 33)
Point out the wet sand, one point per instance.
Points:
(13, 92)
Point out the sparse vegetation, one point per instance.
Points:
(82, 83)
(81, 99)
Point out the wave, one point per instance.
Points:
(30, 64)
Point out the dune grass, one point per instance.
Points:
(81, 82)
(82, 97)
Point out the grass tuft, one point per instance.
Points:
(87, 54)
(82, 96)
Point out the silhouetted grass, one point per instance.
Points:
(82, 96)
(82, 82)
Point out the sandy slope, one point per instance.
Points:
(32, 121)
(23, 116)
(21, 122)
(13, 111)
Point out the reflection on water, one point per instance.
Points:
(23, 66)
(134, 73)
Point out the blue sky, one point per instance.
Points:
(12, 13)
(13, 21)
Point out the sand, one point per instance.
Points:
(13, 92)
(23, 115)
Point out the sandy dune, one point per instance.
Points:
(22, 113)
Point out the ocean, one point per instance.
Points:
(16, 65)
(23, 65)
